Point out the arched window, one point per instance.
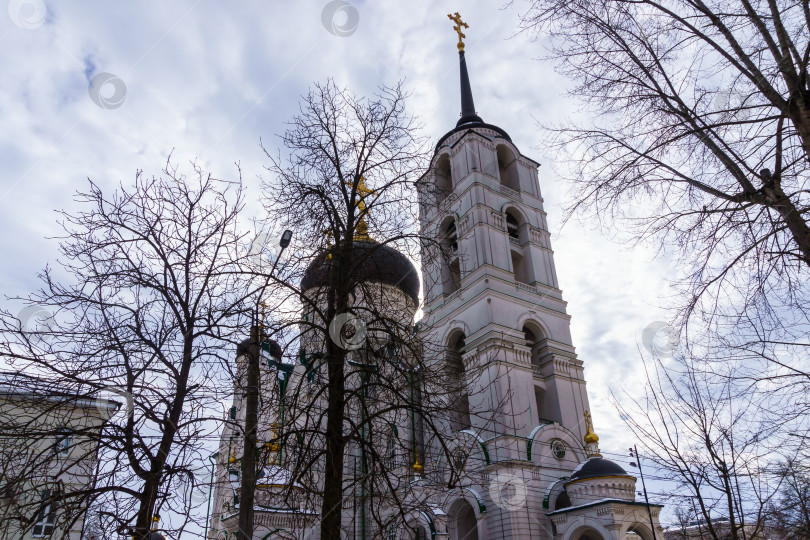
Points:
(512, 226)
(391, 452)
(507, 168)
(63, 441)
(463, 524)
(516, 226)
(442, 184)
(353, 460)
(452, 236)
(536, 339)
(46, 515)
(459, 398)
(638, 532)
(518, 233)
(586, 533)
(539, 350)
(451, 268)
(420, 533)
(521, 267)
(562, 501)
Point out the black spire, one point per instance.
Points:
(467, 106)
(469, 119)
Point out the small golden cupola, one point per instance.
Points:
(591, 438)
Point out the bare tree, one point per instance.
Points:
(144, 305)
(711, 436)
(699, 140)
(790, 514)
(337, 144)
(353, 421)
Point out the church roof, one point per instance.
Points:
(372, 262)
(600, 503)
(275, 476)
(597, 467)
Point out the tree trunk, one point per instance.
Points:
(331, 510)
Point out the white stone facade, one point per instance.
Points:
(48, 444)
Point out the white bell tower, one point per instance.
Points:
(493, 303)
(494, 285)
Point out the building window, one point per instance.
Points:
(507, 168)
(558, 449)
(43, 526)
(459, 406)
(391, 533)
(63, 442)
(521, 268)
(442, 184)
(451, 270)
(512, 226)
(452, 236)
(391, 453)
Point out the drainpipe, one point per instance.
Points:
(363, 460)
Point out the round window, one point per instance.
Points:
(558, 448)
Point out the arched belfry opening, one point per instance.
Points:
(507, 167)
(536, 341)
(459, 403)
(451, 236)
(519, 247)
(442, 183)
(512, 227)
(521, 267)
(451, 266)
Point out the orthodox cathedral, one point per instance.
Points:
(520, 422)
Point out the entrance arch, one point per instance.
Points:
(463, 521)
(587, 533)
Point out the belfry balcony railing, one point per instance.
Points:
(511, 193)
(525, 287)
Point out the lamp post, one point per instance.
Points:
(634, 455)
(248, 485)
(210, 487)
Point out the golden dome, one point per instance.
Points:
(590, 436)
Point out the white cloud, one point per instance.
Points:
(211, 78)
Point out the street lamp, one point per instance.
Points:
(211, 458)
(286, 238)
(248, 480)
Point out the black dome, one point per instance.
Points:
(244, 347)
(371, 261)
(598, 467)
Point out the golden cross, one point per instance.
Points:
(456, 18)
(588, 421)
(263, 315)
(361, 230)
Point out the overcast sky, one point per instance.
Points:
(98, 90)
